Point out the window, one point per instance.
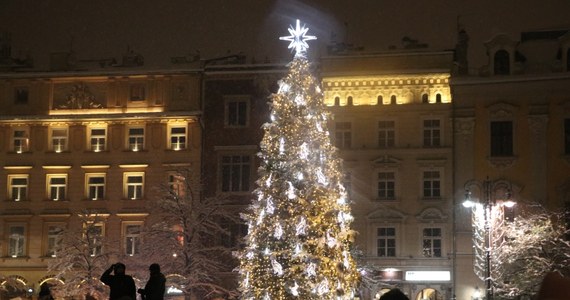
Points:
(57, 185)
(337, 101)
(379, 100)
(393, 99)
(349, 101)
(567, 136)
(176, 185)
(98, 139)
(386, 241)
(237, 112)
(94, 236)
(343, 134)
(18, 187)
(138, 92)
(502, 63)
(178, 138)
(136, 139)
(234, 234)
(17, 240)
(20, 140)
(134, 183)
(235, 173)
(132, 239)
(53, 239)
(425, 98)
(431, 184)
(59, 139)
(386, 186)
(432, 133)
(21, 95)
(438, 98)
(386, 134)
(431, 244)
(501, 138)
(95, 186)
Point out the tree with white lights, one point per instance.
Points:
(299, 236)
(532, 245)
(184, 233)
(81, 255)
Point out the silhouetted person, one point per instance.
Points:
(45, 292)
(394, 294)
(122, 286)
(155, 286)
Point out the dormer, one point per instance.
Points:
(501, 50)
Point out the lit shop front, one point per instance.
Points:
(416, 284)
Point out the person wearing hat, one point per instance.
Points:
(122, 285)
(155, 286)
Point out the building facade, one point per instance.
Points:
(87, 142)
(392, 124)
(512, 131)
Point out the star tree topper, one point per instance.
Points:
(298, 39)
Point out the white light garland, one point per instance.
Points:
(301, 227)
(278, 231)
(277, 268)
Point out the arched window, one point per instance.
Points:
(393, 99)
(438, 98)
(429, 294)
(502, 63)
(379, 100)
(349, 101)
(337, 101)
(425, 98)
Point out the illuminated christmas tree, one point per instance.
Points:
(299, 238)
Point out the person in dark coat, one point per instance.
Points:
(155, 286)
(122, 286)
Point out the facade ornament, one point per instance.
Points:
(80, 98)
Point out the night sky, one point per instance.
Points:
(161, 29)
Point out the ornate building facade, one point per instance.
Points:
(94, 142)
(392, 124)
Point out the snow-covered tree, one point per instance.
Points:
(183, 235)
(299, 237)
(531, 245)
(81, 255)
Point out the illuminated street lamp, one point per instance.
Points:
(493, 194)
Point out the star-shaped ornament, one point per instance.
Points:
(298, 39)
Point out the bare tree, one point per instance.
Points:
(82, 254)
(183, 235)
(533, 244)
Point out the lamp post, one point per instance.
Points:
(492, 193)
